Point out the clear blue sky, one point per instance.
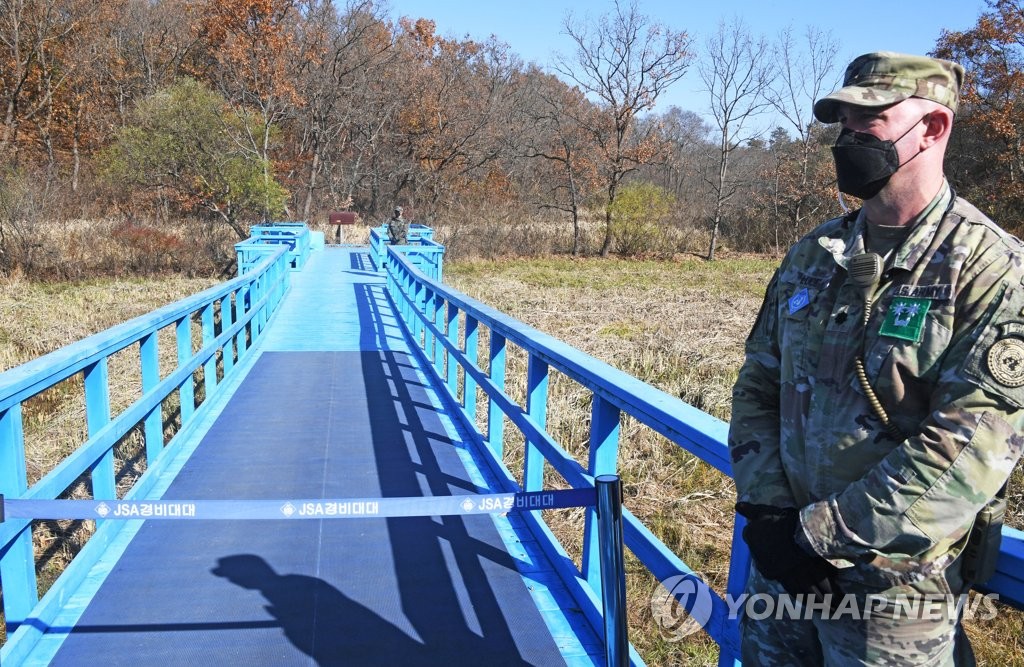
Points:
(533, 28)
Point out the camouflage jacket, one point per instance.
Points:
(943, 350)
(398, 231)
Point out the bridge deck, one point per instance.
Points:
(332, 405)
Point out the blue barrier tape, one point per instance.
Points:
(344, 508)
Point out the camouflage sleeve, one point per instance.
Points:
(925, 493)
(754, 427)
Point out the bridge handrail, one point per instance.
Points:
(423, 301)
(22, 382)
(295, 235)
(428, 253)
(244, 306)
(431, 312)
(701, 433)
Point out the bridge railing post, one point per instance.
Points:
(604, 451)
(210, 367)
(451, 366)
(242, 300)
(739, 568)
(471, 337)
(259, 290)
(186, 391)
(149, 353)
(420, 307)
(613, 569)
(495, 416)
(408, 296)
(226, 322)
(439, 349)
(537, 410)
(429, 316)
(97, 415)
(17, 560)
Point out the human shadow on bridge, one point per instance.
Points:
(293, 598)
(459, 587)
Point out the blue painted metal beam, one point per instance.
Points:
(698, 432)
(495, 415)
(604, 455)
(537, 410)
(27, 380)
(17, 563)
(149, 354)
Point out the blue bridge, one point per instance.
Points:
(335, 491)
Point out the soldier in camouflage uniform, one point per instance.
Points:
(869, 487)
(398, 228)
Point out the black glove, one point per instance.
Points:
(771, 535)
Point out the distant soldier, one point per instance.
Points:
(879, 412)
(398, 228)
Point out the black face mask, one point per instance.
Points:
(865, 163)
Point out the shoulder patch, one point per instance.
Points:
(799, 301)
(995, 360)
(1006, 362)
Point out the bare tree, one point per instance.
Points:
(552, 112)
(450, 128)
(256, 61)
(624, 62)
(147, 49)
(805, 71)
(687, 135)
(346, 51)
(736, 72)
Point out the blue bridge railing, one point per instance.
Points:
(231, 317)
(293, 235)
(447, 325)
(422, 250)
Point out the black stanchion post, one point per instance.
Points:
(1, 508)
(613, 569)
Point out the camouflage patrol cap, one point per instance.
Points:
(883, 78)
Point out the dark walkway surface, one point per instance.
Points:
(333, 407)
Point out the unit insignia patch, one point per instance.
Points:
(1006, 362)
(906, 318)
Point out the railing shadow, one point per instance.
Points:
(360, 261)
(453, 574)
